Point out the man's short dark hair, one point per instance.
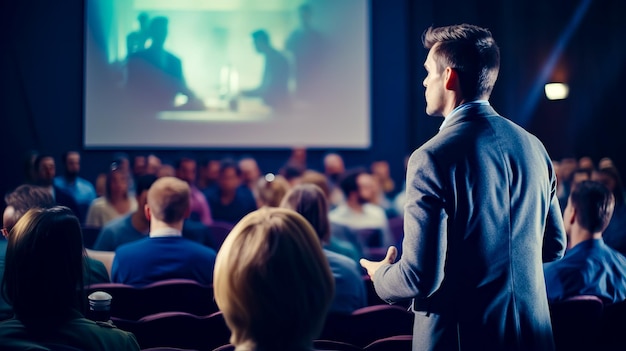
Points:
(183, 159)
(229, 163)
(594, 205)
(144, 182)
(348, 183)
(471, 51)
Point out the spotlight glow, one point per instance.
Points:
(556, 91)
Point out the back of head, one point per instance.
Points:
(27, 196)
(594, 205)
(272, 189)
(348, 182)
(44, 262)
(309, 201)
(272, 281)
(471, 51)
(317, 178)
(169, 199)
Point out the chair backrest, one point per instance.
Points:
(395, 343)
(613, 327)
(60, 347)
(368, 324)
(178, 330)
(179, 295)
(576, 322)
(166, 349)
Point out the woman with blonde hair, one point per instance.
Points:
(272, 282)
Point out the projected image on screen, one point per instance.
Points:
(222, 73)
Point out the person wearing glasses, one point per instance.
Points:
(43, 280)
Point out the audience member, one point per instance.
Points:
(298, 157)
(166, 170)
(136, 226)
(100, 185)
(140, 166)
(45, 172)
(79, 188)
(44, 267)
(250, 174)
(586, 163)
(615, 234)
(165, 254)
(115, 203)
(400, 200)
(357, 213)
(186, 170)
(589, 267)
(26, 197)
(380, 171)
(309, 201)
(292, 173)
(565, 169)
(272, 282)
(209, 173)
(271, 189)
(342, 239)
(153, 164)
(334, 169)
(229, 200)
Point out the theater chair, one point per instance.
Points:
(613, 327)
(179, 295)
(178, 330)
(368, 324)
(576, 322)
(395, 343)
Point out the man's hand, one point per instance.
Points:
(372, 267)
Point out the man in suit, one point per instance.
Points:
(481, 214)
(165, 254)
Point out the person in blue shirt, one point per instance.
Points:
(309, 201)
(79, 188)
(589, 267)
(165, 254)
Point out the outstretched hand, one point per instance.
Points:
(372, 266)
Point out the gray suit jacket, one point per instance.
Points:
(481, 216)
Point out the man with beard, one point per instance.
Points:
(357, 212)
(79, 188)
(45, 171)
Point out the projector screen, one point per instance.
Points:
(226, 73)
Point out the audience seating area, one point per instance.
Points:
(180, 295)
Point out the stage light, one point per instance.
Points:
(556, 91)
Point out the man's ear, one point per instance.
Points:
(451, 79)
(572, 217)
(146, 212)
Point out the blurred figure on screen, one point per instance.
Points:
(155, 76)
(274, 88)
(308, 47)
(136, 41)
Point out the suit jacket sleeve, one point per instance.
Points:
(554, 238)
(419, 272)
